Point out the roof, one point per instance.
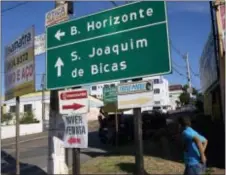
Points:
(175, 87)
(94, 102)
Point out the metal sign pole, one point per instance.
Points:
(138, 139)
(116, 128)
(76, 155)
(17, 135)
(76, 161)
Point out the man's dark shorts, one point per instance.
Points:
(196, 169)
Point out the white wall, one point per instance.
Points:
(161, 98)
(174, 96)
(35, 101)
(10, 131)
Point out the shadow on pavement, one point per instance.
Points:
(8, 166)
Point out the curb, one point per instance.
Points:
(24, 141)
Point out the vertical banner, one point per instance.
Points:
(20, 65)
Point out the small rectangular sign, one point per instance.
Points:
(73, 101)
(135, 95)
(57, 15)
(110, 95)
(76, 131)
(40, 44)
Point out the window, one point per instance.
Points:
(94, 88)
(106, 86)
(28, 108)
(156, 108)
(157, 102)
(156, 91)
(156, 81)
(12, 109)
(112, 85)
(170, 95)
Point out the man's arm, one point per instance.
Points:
(201, 148)
(205, 143)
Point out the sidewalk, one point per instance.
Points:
(11, 141)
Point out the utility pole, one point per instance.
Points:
(17, 135)
(188, 75)
(43, 101)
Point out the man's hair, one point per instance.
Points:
(184, 121)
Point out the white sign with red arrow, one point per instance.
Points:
(73, 101)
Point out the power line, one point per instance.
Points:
(195, 74)
(178, 72)
(176, 50)
(114, 3)
(179, 66)
(11, 8)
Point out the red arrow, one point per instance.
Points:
(72, 140)
(74, 106)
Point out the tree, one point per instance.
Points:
(178, 103)
(184, 98)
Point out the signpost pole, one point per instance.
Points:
(139, 161)
(76, 161)
(116, 128)
(17, 135)
(54, 110)
(43, 102)
(76, 155)
(138, 141)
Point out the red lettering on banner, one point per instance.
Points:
(27, 72)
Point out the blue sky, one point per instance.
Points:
(189, 26)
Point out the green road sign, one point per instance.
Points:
(110, 95)
(96, 48)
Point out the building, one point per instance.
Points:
(161, 93)
(97, 90)
(160, 86)
(212, 65)
(210, 79)
(174, 93)
(33, 103)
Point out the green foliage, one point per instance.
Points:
(6, 118)
(178, 103)
(184, 98)
(28, 118)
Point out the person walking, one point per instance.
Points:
(194, 148)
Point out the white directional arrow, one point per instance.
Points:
(59, 34)
(58, 65)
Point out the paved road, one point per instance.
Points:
(35, 150)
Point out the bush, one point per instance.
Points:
(6, 118)
(28, 118)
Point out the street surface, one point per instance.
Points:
(34, 150)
